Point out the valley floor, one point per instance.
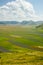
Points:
(21, 45)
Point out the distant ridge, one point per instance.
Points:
(21, 23)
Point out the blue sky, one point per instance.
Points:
(37, 4)
(2, 2)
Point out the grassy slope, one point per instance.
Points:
(22, 35)
(20, 56)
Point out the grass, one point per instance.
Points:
(24, 35)
(22, 57)
(17, 39)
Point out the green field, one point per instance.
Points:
(22, 45)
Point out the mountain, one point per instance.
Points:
(8, 22)
(39, 22)
(2, 22)
(27, 23)
(22, 23)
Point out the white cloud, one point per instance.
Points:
(17, 10)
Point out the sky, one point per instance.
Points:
(21, 10)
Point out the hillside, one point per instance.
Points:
(40, 26)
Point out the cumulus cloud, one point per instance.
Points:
(17, 10)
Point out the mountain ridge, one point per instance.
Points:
(22, 23)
